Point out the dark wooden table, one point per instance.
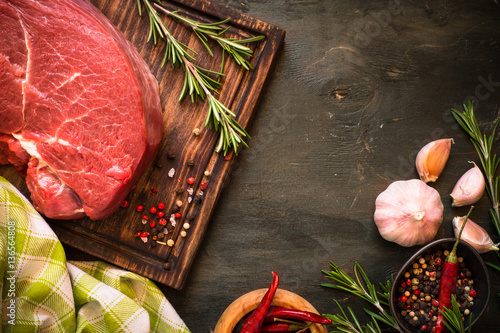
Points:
(359, 88)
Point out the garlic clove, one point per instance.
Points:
(432, 158)
(469, 188)
(474, 234)
(408, 212)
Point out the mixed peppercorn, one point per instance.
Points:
(154, 216)
(418, 290)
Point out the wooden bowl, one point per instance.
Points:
(248, 302)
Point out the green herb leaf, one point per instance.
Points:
(483, 145)
(198, 81)
(362, 287)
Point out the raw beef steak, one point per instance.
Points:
(80, 112)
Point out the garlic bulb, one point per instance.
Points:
(474, 234)
(408, 212)
(432, 158)
(469, 188)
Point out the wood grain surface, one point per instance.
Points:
(113, 239)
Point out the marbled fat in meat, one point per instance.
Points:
(79, 100)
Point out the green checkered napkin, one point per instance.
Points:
(42, 292)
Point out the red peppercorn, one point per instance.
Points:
(144, 234)
(408, 282)
(139, 208)
(190, 180)
(203, 186)
(154, 191)
(417, 292)
(152, 223)
(403, 298)
(137, 234)
(403, 285)
(462, 275)
(162, 221)
(178, 215)
(435, 302)
(465, 281)
(472, 293)
(161, 205)
(160, 214)
(145, 217)
(124, 203)
(153, 210)
(438, 261)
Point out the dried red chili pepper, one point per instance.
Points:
(254, 322)
(285, 313)
(449, 277)
(281, 328)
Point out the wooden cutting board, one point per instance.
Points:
(113, 239)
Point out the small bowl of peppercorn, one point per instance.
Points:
(415, 294)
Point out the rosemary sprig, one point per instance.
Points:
(197, 82)
(234, 47)
(175, 51)
(342, 323)
(219, 117)
(489, 162)
(453, 318)
(362, 287)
